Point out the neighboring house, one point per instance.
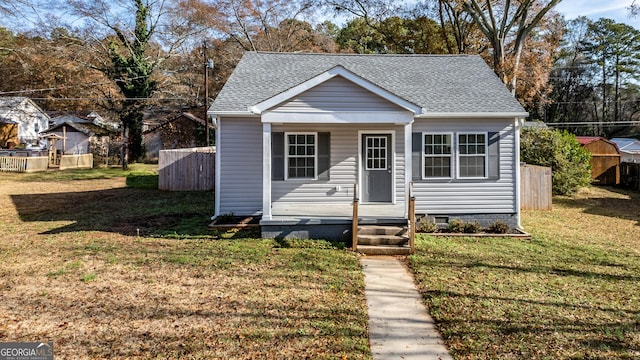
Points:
(534, 125)
(630, 161)
(177, 132)
(27, 116)
(77, 134)
(297, 132)
(605, 159)
(629, 149)
(93, 117)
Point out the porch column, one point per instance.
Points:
(218, 170)
(266, 171)
(408, 168)
(516, 185)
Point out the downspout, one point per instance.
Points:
(517, 169)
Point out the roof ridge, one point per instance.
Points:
(360, 55)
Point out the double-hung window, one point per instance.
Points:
(437, 156)
(472, 155)
(301, 155)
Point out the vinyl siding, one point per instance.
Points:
(77, 142)
(240, 150)
(344, 166)
(337, 94)
(454, 196)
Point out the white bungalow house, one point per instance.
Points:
(300, 136)
(27, 116)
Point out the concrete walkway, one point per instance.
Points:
(399, 325)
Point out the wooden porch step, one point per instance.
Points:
(382, 240)
(384, 250)
(382, 230)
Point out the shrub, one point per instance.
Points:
(472, 227)
(456, 226)
(426, 225)
(498, 227)
(560, 151)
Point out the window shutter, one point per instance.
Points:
(416, 156)
(277, 156)
(324, 158)
(494, 156)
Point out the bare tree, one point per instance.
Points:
(502, 20)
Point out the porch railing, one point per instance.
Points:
(354, 223)
(411, 214)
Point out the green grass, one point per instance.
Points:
(569, 293)
(82, 174)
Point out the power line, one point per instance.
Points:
(592, 123)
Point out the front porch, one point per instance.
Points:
(327, 221)
(373, 228)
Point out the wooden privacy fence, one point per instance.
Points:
(187, 169)
(79, 161)
(535, 187)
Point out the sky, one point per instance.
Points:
(595, 9)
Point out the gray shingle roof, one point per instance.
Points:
(437, 83)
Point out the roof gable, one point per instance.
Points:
(337, 71)
(439, 85)
(18, 103)
(600, 143)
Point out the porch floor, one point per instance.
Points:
(316, 214)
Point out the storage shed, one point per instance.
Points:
(605, 160)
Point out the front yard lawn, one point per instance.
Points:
(572, 292)
(74, 271)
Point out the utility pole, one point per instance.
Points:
(208, 64)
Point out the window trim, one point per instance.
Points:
(485, 155)
(424, 155)
(286, 156)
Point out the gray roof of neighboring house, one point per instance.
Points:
(627, 144)
(68, 119)
(437, 83)
(534, 125)
(87, 128)
(186, 115)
